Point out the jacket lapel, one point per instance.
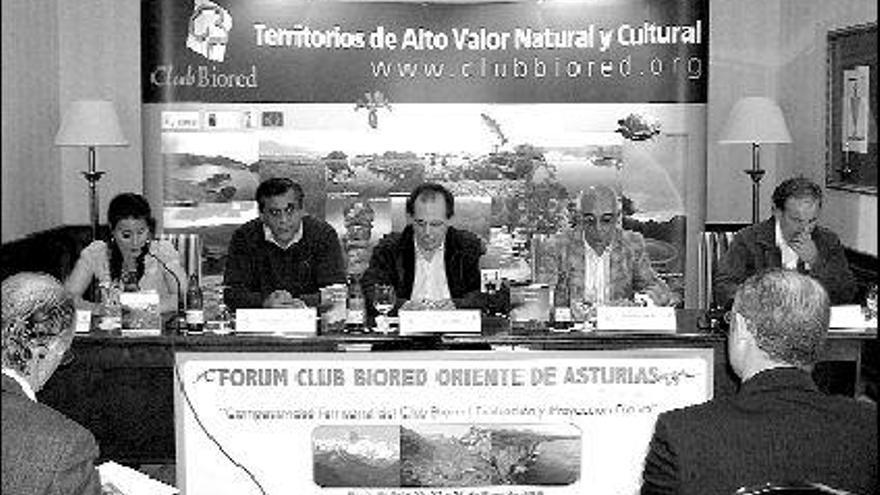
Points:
(765, 236)
(408, 259)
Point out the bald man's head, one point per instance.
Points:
(599, 210)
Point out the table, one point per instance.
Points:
(121, 388)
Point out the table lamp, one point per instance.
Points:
(755, 120)
(91, 123)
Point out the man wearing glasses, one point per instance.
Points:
(606, 264)
(429, 263)
(778, 427)
(282, 258)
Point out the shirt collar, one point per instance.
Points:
(615, 239)
(25, 386)
(780, 240)
(267, 234)
(429, 255)
(789, 256)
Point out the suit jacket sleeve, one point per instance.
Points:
(329, 263)
(660, 475)
(644, 277)
(381, 270)
(240, 276)
(732, 270)
(471, 279)
(75, 472)
(832, 270)
(329, 267)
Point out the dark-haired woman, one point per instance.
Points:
(131, 257)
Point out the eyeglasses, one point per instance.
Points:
(606, 219)
(422, 224)
(290, 210)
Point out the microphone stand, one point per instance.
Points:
(179, 327)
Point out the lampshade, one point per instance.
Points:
(90, 123)
(757, 120)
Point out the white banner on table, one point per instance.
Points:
(431, 422)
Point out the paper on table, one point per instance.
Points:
(131, 482)
(276, 320)
(849, 317)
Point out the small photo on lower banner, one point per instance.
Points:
(446, 455)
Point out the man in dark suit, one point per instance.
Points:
(789, 239)
(429, 263)
(779, 426)
(43, 451)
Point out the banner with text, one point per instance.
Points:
(416, 423)
(640, 51)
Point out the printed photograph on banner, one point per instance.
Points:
(356, 456)
(446, 455)
(514, 169)
(461, 455)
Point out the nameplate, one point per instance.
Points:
(83, 322)
(277, 320)
(849, 316)
(636, 318)
(459, 321)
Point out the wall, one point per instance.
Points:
(31, 179)
(802, 80)
(91, 66)
(758, 47)
(55, 52)
(742, 62)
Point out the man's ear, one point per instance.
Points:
(54, 346)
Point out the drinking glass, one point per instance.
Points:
(384, 299)
(871, 302)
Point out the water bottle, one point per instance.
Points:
(562, 319)
(354, 318)
(195, 312)
(224, 324)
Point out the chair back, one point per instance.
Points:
(189, 247)
(714, 241)
(790, 488)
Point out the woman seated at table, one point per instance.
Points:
(131, 257)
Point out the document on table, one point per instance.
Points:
(117, 479)
(850, 318)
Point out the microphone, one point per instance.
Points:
(180, 309)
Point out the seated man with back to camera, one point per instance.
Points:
(790, 239)
(43, 450)
(778, 427)
(430, 264)
(284, 257)
(606, 264)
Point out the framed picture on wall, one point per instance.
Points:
(851, 139)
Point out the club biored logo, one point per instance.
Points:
(209, 27)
